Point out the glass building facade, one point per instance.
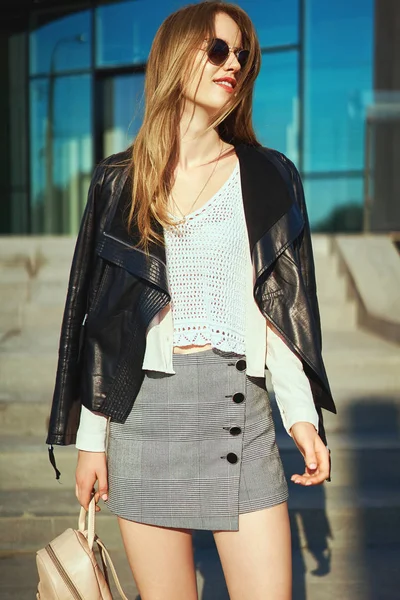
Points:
(85, 79)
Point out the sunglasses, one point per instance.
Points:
(218, 52)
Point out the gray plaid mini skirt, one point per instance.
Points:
(198, 447)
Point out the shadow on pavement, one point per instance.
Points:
(376, 475)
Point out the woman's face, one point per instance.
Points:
(205, 87)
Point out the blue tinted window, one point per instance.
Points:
(276, 21)
(335, 204)
(125, 30)
(275, 107)
(339, 55)
(61, 156)
(64, 44)
(123, 110)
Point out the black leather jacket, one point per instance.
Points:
(115, 289)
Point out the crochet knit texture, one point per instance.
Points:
(206, 263)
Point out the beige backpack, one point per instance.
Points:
(68, 569)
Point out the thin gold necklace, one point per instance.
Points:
(183, 220)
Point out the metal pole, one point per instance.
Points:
(367, 175)
(48, 206)
(301, 82)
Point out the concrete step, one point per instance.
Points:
(326, 264)
(338, 317)
(364, 573)
(340, 348)
(353, 344)
(364, 413)
(330, 283)
(40, 319)
(51, 290)
(13, 275)
(361, 412)
(361, 467)
(331, 290)
(32, 319)
(382, 527)
(49, 287)
(362, 368)
(49, 249)
(332, 287)
(31, 340)
(322, 244)
(355, 518)
(363, 460)
(11, 244)
(17, 281)
(12, 293)
(61, 500)
(370, 522)
(27, 375)
(28, 284)
(357, 361)
(355, 378)
(361, 505)
(24, 418)
(36, 382)
(60, 247)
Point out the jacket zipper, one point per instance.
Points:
(130, 246)
(63, 574)
(98, 292)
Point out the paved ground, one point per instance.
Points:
(369, 574)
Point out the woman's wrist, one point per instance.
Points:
(302, 425)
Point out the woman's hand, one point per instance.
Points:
(91, 467)
(315, 453)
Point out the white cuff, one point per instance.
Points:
(92, 430)
(291, 385)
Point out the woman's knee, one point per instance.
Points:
(161, 560)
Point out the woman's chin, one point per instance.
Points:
(215, 107)
(211, 106)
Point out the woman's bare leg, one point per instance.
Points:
(257, 559)
(161, 560)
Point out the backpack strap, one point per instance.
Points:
(92, 537)
(106, 558)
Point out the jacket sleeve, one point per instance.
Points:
(65, 410)
(306, 252)
(306, 260)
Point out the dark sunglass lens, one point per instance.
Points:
(243, 57)
(218, 52)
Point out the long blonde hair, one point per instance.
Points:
(156, 146)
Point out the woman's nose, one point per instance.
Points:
(232, 63)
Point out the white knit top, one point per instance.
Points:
(206, 262)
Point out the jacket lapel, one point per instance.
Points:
(117, 245)
(273, 217)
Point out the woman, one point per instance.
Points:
(192, 273)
